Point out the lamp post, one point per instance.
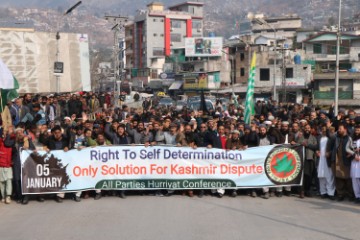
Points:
(261, 21)
(58, 43)
(336, 110)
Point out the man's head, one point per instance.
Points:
(262, 130)
(100, 139)
(57, 133)
(18, 102)
(203, 127)
(121, 130)
(341, 130)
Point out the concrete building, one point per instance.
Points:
(321, 49)
(155, 32)
(285, 27)
(289, 77)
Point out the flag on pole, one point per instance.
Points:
(8, 86)
(6, 77)
(249, 104)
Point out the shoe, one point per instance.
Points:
(253, 194)
(3, 200)
(86, 196)
(8, 200)
(25, 200)
(191, 193)
(201, 193)
(77, 199)
(279, 194)
(351, 199)
(220, 195)
(122, 195)
(233, 194)
(340, 198)
(266, 195)
(324, 196)
(308, 194)
(58, 199)
(40, 199)
(332, 198)
(302, 194)
(159, 194)
(357, 201)
(287, 193)
(97, 196)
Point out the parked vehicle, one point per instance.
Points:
(180, 105)
(167, 102)
(196, 105)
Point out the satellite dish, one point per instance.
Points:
(250, 16)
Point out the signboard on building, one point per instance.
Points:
(195, 81)
(203, 47)
(292, 82)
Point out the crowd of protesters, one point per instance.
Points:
(77, 121)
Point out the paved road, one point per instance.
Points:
(179, 217)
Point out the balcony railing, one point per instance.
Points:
(331, 95)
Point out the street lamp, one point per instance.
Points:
(58, 63)
(261, 21)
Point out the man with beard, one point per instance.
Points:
(274, 131)
(17, 140)
(287, 137)
(140, 135)
(355, 164)
(200, 135)
(341, 156)
(265, 140)
(310, 144)
(58, 142)
(158, 134)
(325, 175)
(234, 143)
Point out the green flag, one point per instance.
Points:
(8, 94)
(249, 104)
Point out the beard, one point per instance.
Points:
(306, 134)
(284, 132)
(356, 137)
(261, 135)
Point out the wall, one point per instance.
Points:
(31, 56)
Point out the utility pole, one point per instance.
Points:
(118, 29)
(338, 37)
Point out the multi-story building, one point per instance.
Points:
(155, 32)
(285, 28)
(321, 50)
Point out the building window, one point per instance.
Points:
(289, 73)
(161, 35)
(196, 24)
(242, 72)
(317, 48)
(242, 56)
(158, 51)
(264, 74)
(175, 24)
(176, 37)
(154, 20)
(155, 35)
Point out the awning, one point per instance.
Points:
(176, 85)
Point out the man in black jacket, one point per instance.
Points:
(58, 142)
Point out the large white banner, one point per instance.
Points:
(137, 167)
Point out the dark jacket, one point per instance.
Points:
(51, 143)
(212, 138)
(346, 149)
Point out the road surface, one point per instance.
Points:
(180, 217)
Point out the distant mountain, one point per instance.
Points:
(220, 15)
